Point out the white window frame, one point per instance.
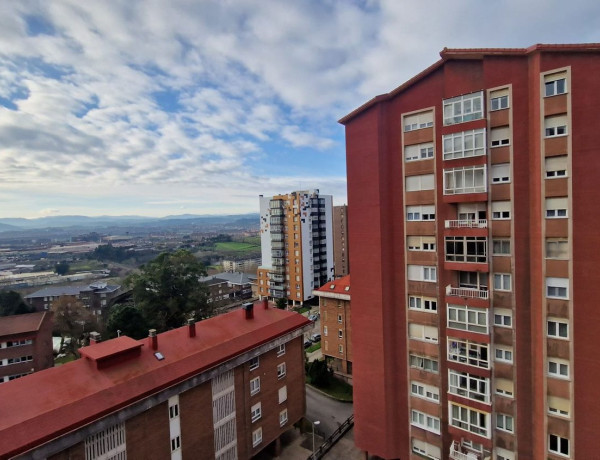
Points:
(503, 244)
(505, 422)
(555, 84)
(469, 386)
(465, 179)
(463, 419)
(554, 329)
(500, 173)
(325, 331)
(466, 318)
(281, 370)
(281, 350)
(505, 387)
(557, 208)
(425, 391)
(557, 288)
(427, 304)
(560, 443)
(464, 144)
(420, 243)
(556, 126)
(425, 449)
(559, 407)
(501, 210)
(420, 183)
(502, 282)
(254, 363)
(466, 249)
(503, 454)
(419, 152)
(561, 252)
(419, 120)
(175, 444)
(499, 100)
(420, 213)
(257, 437)
(423, 363)
(556, 167)
(282, 393)
(503, 354)
(463, 108)
(341, 349)
(500, 137)
(500, 317)
(425, 273)
(559, 368)
(254, 386)
(256, 412)
(469, 352)
(423, 333)
(283, 417)
(425, 421)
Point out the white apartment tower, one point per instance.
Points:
(297, 245)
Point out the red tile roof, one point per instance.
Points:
(339, 288)
(39, 407)
(19, 324)
(471, 53)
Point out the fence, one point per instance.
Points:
(331, 440)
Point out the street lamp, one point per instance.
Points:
(316, 422)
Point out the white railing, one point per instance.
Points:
(457, 454)
(478, 223)
(467, 292)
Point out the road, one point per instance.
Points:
(329, 412)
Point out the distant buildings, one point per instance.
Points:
(25, 344)
(474, 217)
(341, 255)
(336, 325)
(96, 296)
(247, 265)
(224, 388)
(296, 243)
(228, 287)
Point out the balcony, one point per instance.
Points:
(277, 253)
(279, 262)
(467, 292)
(277, 278)
(278, 270)
(277, 294)
(478, 223)
(456, 453)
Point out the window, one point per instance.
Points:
(254, 363)
(558, 328)
(419, 213)
(282, 394)
(422, 303)
(341, 349)
(422, 390)
(499, 99)
(281, 370)
(502, 282)
(283, 417)
(425, 421)
(18, 359)
(466, 249)
(555, 84)
(504, 387)
(559, 406)
(468, 179)
(418, 121)
(426, 364)
(464, 144)
(463, 108)
(18, 343)
(501, 247)
(473, 280)
(422, 332)
(421, 273)
(256, 412)
(501, 173)
(557, 288)
(109, 443)
(558, 445)
(254, 385)
(504, 354)
(556, 167)
(420, 243)
(472, 211)
(469, 419)
(505, 423)
(174, 411)
(502, 317)
(339, 318)
(340, 334)
(500, 210)
(425, 449)
(558, 368)
(556, 208)
(421, 182)
(281, 350)
(555, 126)
(499, 137)
(418, 152)
(175, 444)
(256, 437)
(468, 352)
(325, 331)
(468, 318)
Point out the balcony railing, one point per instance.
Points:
(457, 454)
(479, 223)
(467, 292)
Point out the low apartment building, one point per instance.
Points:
(96, 296)
(25, 345)
(223, 388)
(336, 328)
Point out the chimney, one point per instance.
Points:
(265, 303)
(249, 309)
(94, 338)
(153, 338)
(191, 327)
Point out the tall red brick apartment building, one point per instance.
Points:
(473, 217)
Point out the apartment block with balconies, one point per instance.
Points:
(482, 168)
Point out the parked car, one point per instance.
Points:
(315, 338)
(307, 343)
(313, 317)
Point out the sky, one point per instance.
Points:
(156, 108)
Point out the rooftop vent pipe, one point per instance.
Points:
(249, 309)
(153, 339)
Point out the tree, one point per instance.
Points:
(129, 320)
(281, 303)
(72, 319)
(11, 303)
(168, 290)
(61, 268)
(319, 373)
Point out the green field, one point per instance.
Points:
(234, 246)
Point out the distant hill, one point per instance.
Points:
(7, 227)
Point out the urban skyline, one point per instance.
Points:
(200, 107)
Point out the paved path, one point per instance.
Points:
(329, 412)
